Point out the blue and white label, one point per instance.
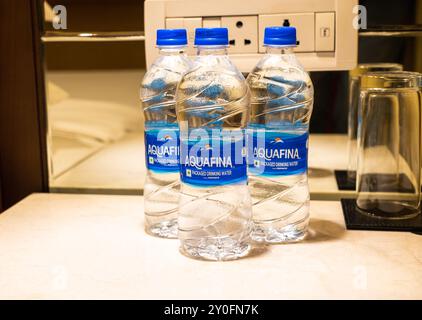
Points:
(277, 153)
(214, 161)
(162, 149)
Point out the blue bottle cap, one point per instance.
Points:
(171, 37)
(211, 37)
(280, 36)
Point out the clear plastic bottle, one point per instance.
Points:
(281, 107)
(215, 217)
(161, 190)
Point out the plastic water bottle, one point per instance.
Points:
(281, 107)
(161, 190)
(215, 218)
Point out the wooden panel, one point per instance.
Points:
(1, 200)
(22, 101)
(418, 51)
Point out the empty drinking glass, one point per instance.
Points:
(389, 143)
(354, 92)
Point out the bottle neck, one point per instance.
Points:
(172, 51)
(279, 50)
(211, 50)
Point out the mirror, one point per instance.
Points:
(95, 127)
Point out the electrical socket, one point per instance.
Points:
(243, 33)
(304, 23)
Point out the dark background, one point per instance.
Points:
(23, 155)
(331, 88)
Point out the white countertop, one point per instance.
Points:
(93, 246)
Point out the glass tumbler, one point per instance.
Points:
(419, 79)
(354, 92)
(389, 145)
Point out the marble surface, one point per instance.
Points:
(327, 152)
(94, 246)
(117, 168)
(101, 173)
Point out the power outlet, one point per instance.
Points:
(243, 33)
(304, 23)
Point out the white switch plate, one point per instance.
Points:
(211, 22)
(190, 24)
(303, 22)
(324, 31)
(243, 33)
(343, 57)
